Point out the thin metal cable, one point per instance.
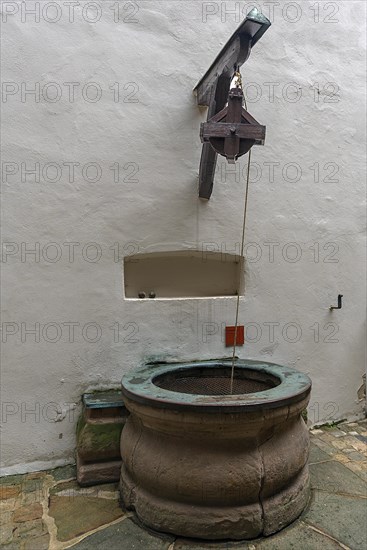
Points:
(241, 256)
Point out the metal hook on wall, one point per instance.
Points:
(339, 306)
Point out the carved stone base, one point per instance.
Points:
(92, 473)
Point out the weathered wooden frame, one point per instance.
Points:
(212, 90)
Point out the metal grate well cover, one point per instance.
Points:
(216, 382)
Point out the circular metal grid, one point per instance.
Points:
(214, 384)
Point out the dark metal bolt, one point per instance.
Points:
(151, 294)
(142, 295)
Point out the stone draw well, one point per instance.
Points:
(215, 449)
(201, 462)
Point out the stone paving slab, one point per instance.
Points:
(342, 517)
(333, 477)
(359, 469)
(190, 544)
(298, 537)
(125, 535)
(63, 473)
(78, 515)
(318, 455)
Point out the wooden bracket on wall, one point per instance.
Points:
(212, 90)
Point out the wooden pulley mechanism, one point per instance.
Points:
(233, 131)
(230, 130)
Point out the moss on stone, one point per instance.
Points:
(99, 438)
(80, 424)
(330, 425)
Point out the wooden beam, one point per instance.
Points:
(208, 159)
(233, 54)
(212, 90)
(225, 130)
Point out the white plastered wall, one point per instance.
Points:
(304, 81)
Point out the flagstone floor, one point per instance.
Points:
(49, 511)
